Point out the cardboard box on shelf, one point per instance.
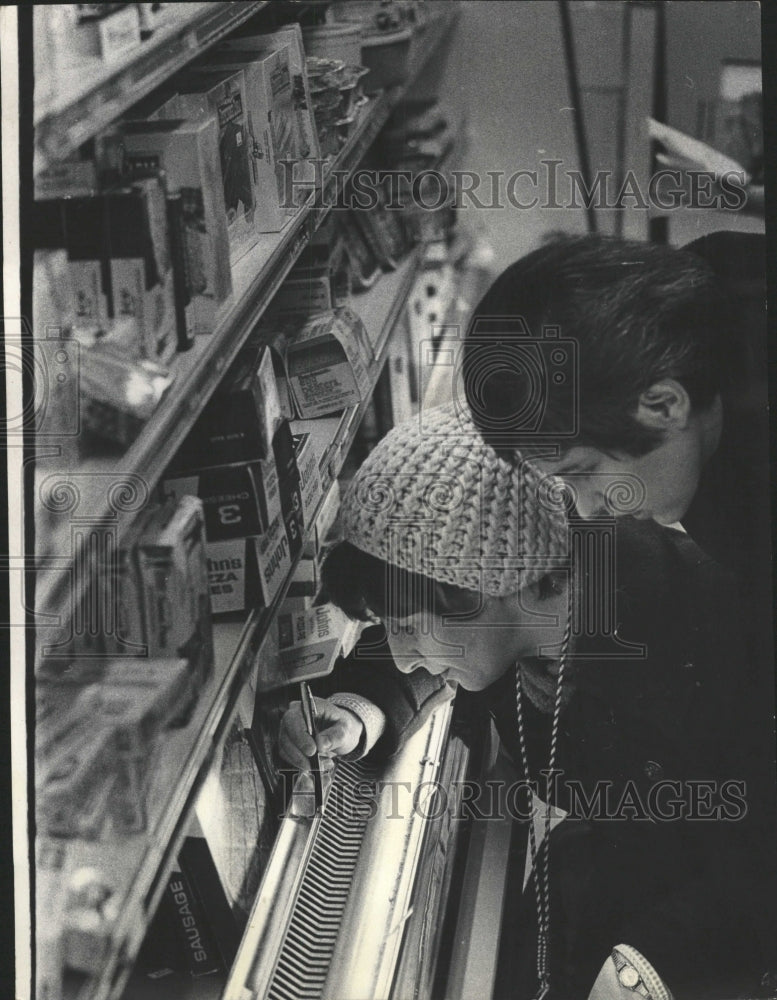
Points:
(188, 152)
(289, 485)
(326, 256)
(271, 128)
(303, 297)
(241, 418)
(239, 499)
(222, 94)
(233, 575)
(304, 582)
(189, 915)
(185, 324)
(173, 574)
(138, 248)
(326, 520)
(253, 523)
(101, 35)
(248, 572)
(361, 336)
(310, 641)
(308, 458)
(84, 227)
(274, 560)
(383, 231)
(326, 366)
(307, 136)
(323, 433)
(278, 352)
(70, 178)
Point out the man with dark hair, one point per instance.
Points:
(663, 415)
(659, 347)
(668, 396)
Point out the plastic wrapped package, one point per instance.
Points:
(118, 395)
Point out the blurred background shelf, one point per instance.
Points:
(85, 98)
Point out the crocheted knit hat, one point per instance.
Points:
(433, 498)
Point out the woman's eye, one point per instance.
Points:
(551, 586)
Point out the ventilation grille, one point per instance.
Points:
(304, 959)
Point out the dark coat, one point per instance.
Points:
(694, 892)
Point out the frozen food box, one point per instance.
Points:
(173, 576)
(271, 128)
(240, 419)
(309, 642)
(248, 572)
(304, 581)
(239, 499)
(308, 459)
(307, 136)
(138, 248)
(326, 365)
(203, 94)
(188, 152)
(84, 227)
(303, 297)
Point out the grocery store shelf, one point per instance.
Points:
(256, 278)
(138, 873)
(87, 98)
(98, 481)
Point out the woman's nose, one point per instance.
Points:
(406, 656)
(587, 499)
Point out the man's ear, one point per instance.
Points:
(665, 406)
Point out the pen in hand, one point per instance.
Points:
(309, 714)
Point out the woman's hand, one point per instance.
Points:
(339, 733)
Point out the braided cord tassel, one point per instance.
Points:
(541, 858)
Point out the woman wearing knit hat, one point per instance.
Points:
(467, 563)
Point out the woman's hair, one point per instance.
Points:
(362, 585)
